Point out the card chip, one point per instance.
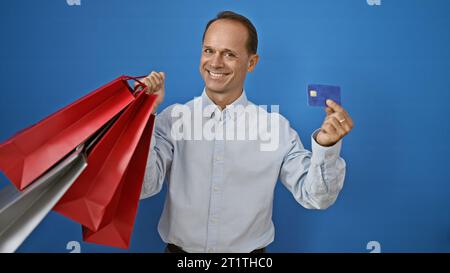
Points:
(319, 93)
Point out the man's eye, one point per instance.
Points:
(230, 54)
(207, 50)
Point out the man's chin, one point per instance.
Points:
(216, 89)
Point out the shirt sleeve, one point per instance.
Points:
(160, 156)
(314, 178)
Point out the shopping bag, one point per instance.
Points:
(86, 201)
(117, 223)
(28, 154)
(21, 212)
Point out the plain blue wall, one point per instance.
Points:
(392, 62)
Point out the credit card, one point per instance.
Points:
(319, 93)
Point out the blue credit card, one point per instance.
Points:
(319, 93)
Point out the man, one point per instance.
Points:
(220, 191)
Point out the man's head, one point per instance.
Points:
(229, 51)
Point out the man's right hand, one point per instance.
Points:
(155, 85)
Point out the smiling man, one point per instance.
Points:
(220, 191)
(227, 57)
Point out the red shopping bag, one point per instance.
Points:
(87, 199)
(117, 224)
(31, 152)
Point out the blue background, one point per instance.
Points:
(392, 62)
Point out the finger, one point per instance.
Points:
(337, 125)
(163, 75)
(339, 116)
(159, 83)
(156, 80)
(346, 126)
(341, 110)
(329, 111)
(328, 128)
(150, 85)
(149, 75)
(157, 75)
(144, 81)
(147, 82)
(349, 120)
(343, 122)
(344, 115)
(333, 105)
(153, 84)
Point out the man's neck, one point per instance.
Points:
(224, 99)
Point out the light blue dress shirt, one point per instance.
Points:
(220, 192)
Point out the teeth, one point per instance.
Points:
(216, 75)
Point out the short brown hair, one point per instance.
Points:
(252, 40)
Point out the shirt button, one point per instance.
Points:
(210, 250)
(216, 189)
(213, 220)
(218, 158)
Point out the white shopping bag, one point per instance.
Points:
(21, 212)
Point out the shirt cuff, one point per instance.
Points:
(322, 154)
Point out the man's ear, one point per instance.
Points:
(252, 62)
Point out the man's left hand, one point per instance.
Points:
(336, 125)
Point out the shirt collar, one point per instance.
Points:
(212, 110)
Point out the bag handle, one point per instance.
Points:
(136, 79)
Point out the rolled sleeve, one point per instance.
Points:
(321, 154)
(314, 178)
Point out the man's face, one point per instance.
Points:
(225, 59)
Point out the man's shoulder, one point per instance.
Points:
(271, 111)
(172, 111)
(189, 104)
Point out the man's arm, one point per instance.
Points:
(314, 179)
(160, 156)
(161, 147)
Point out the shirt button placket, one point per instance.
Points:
(214, 206)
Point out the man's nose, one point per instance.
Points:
(216, 60)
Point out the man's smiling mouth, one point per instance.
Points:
(217, 75)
